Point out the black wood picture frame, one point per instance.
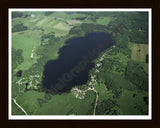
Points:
(153, 4)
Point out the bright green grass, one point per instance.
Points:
(34, 34)
(103, 20)
(66, 103)
(59, 14)
(63, 15)
(46, 22)
(127, 103)
(27, 21)
(28, 101)
(16, 110)
(62, 104)
(75, 15)
(35, 12)
(50, 24)
(62, 26)
(26, 44)
(58, 32)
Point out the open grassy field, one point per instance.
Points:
(29, 101)
(16, 110)
(62, 26)
(29, 40)
(28, 45)
(74, 15)
(139, 52)
(59, 14)
(103, 20)
(54, 24)
(68, 104)
(67, 16)
(62, 104)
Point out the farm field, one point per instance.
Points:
(139, 52)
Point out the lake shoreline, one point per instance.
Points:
(68, 45)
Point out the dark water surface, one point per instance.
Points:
(74, 62)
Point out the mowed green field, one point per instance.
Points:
(139, 52)
(16, 110)
(70, 16)
(27, 44)
(103, 20)
(28, 101)
(63, 104)
(68, 104)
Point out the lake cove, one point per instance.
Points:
(74, 62)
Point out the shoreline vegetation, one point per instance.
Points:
(117, 85)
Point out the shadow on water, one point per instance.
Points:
(58, 75)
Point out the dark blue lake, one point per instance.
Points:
(74, 62)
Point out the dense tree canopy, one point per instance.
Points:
(48, 13)
(107, 107)
(18, 14)
(19, 27)
(136, 28)
(17, 57)
(135, 73)
(87, 28)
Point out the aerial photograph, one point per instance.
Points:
(76, 63)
